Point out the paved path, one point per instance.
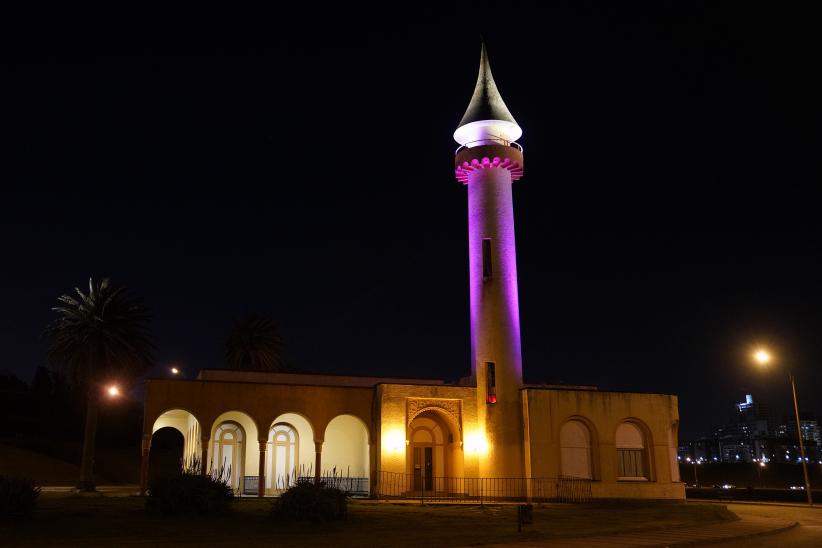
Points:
(119, 490)
(807, 535)
(751, 524)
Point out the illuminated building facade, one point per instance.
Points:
(425, 435)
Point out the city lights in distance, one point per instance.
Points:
(175, 371)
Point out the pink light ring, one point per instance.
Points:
(466, 168)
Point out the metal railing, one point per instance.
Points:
(355, 487)
(393, 485)
(249, 485)
(496, 140)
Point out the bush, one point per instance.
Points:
(307, 501)
(18, 496)
(189, 493)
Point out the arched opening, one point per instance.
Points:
(632, 454)
(290, 452)
(229, 453)
(233, 451)
(575, 450)
(166, 454)
(345, 454)
(434, 452)
(187, 425)
(283, 444)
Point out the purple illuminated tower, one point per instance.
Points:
(487, 162)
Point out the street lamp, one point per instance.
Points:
(763, 357)
(696, 477)
(113, 391)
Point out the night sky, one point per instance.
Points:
(301, 164)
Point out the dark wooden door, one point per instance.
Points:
(429, 468)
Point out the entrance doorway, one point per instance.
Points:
(434, 455)
(165, 459)
(423, 468)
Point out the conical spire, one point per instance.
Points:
(486, 117)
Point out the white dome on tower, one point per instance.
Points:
(486, 120)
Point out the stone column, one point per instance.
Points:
(318, 459)
(204, 452)
(373, 465)
(146, 452)
(261, 475)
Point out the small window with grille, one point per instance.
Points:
(487, 265)
(490, 383)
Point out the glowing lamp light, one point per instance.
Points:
(175, 371)
(475, 442)
(113, 391)
(394, 441)
(762, 356)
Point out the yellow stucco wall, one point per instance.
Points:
(457, 406)
(385, 410)
(263, 403)
(546, 410)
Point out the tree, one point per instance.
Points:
(98, 337)
(255, 344)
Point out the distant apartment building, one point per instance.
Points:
(753, 436)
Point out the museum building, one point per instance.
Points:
(397, 437)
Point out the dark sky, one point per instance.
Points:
(301, 164)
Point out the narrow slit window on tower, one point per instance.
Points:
(490, 383)
(487, 267)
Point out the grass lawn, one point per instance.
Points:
(69, 520)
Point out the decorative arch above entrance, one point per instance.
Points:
(434, 450)
(449, 410)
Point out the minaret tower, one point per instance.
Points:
(487, 162)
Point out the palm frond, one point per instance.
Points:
(255, 344)
(101, 334)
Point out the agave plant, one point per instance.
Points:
(99, 336)
(255, 344)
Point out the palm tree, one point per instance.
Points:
(98, 337)
(255, 344)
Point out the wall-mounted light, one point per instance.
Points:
(394, 441)
(476, 443)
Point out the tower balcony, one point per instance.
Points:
(489, 141)
(488, 153)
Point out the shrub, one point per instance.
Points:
(307, 501)
(189, 493)
(18, 496)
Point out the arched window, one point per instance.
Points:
(229, 452)
(283, 449)
(575, 450)
(631, 453)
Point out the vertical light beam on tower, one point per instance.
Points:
(487, 162)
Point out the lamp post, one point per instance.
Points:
(696, 477)
(763, 358)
